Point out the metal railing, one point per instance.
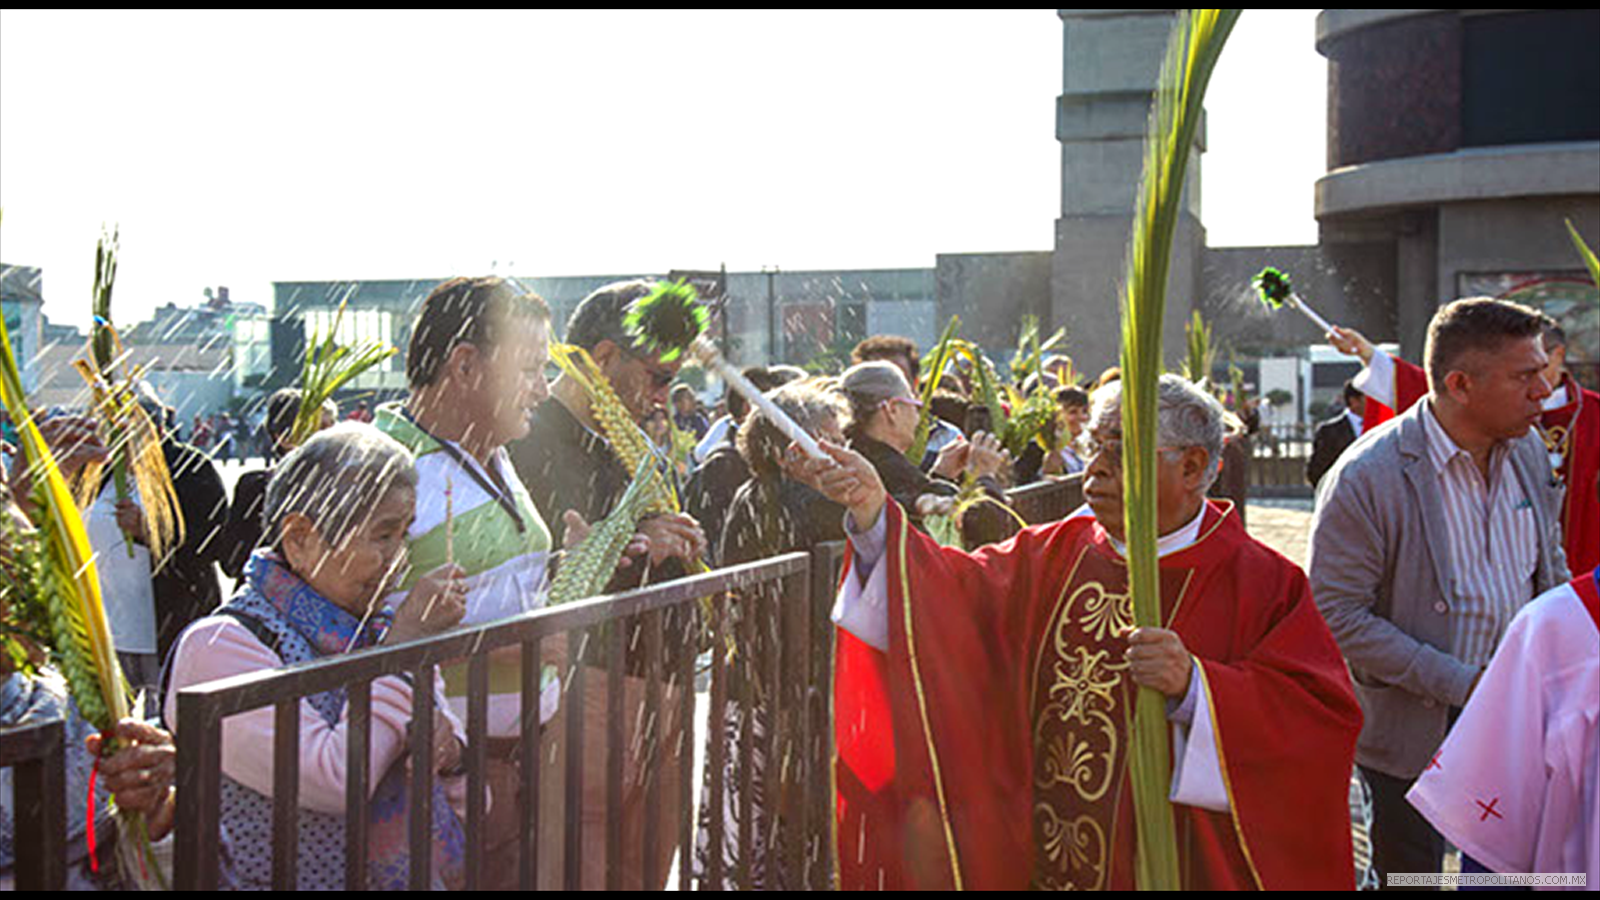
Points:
(36, 755)
(618, 634)
(1047, 501)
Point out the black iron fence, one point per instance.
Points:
(630, 645)
(36, 756)
(1047, 501)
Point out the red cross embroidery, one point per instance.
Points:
(1488, 810)
(1434, 763)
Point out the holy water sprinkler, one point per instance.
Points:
(1274, 289)
(670, 320)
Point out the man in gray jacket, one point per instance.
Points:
(1429, 534)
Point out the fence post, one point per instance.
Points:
(37, 755)
(199, 795)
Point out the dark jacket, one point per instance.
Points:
(246, 527)
(708, 496)
(905, 482)
(566, 466)
(768, 517)
(1332, 437)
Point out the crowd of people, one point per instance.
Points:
(982, 682)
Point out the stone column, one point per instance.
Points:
(1111, 60)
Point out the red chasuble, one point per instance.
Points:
(1571, 432)
(988, 748)
(1410, 385)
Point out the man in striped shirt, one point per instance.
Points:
(1430, 533)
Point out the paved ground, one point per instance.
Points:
(1285, 525)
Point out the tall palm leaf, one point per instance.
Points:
(1196, 43)
(937, 361)
(1588, 256)
(1202, 355)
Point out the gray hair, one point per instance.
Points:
(867, 385)
(1188, 416)
(336, 478)
(809, 403)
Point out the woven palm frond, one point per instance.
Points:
(627, 439)
(81, 638)
(586, 568)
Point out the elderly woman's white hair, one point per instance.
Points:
(336, 478)
(1188, 416)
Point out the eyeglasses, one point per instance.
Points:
(1090, 447)
(912, 402)
(659, 378)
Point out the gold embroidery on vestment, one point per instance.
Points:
(1076, 739)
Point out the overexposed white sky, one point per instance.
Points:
(242, 148)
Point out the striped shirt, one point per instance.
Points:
(505, 565)
(1493, 542)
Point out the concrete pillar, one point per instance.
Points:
(1111, 60)
(1417, 279)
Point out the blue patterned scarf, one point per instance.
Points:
(282, 599)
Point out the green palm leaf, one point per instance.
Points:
(1584, 252)
(1196, 43)
(327, 367)
(936, 362)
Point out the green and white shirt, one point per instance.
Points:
(505, 566)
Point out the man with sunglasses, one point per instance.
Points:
(982, 699)
(566, 460)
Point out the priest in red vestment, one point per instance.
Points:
(1570, 427)
(982, 699)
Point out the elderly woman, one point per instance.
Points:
(336, 513)
(773, 512)
(883, 426)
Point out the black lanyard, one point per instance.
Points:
(498, 489)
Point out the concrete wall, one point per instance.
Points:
(1111, 60)
(1348, 284)
(992, 292)
(1086, 279)
(918, 320)
(1512, 235)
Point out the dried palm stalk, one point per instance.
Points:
(133, 439)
